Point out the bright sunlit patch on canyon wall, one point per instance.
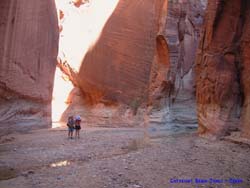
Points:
(81, 26)
(61, 91)
(80, 23)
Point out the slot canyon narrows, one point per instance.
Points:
(161, 88)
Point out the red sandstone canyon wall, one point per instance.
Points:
(245, 75)
(127, 52)
(223, 69)
(28, 51)
(113, 50)
(109, 59)
(138, 50)
(118, 66)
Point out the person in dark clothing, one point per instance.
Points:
(77, 126)
(71, 127)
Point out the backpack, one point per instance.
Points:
(70, 123)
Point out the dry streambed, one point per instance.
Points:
(116, 158)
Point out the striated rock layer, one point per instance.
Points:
(113, 49)
(223, 68)
(147, 50)
(111, 58)
(173, 82)
(28, 51)
(118, 66)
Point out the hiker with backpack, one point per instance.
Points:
(77, 126)
(71, 126)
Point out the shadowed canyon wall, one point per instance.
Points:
(173, 84)
(28, 51)
(222, 69)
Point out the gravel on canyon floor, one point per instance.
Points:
(121, 158)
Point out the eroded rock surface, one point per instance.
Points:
(28, 51)
(118, 67)
(113, 61)
(109, 59)
(223, 68)
(149, 50)
(173, 86)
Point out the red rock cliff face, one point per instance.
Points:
(223, 68)
(118, 67)
(28, 51)
(143, 49)
(245, 76)
(113, 64)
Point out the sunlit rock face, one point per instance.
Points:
(223, 68)
(110, 46)
(118, 66)
(28, 51)
(106, 49)
(172, 90)
(143, 54)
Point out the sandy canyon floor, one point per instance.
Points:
(122, 157)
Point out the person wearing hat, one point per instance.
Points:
(77, 126)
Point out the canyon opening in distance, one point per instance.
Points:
(162, 88)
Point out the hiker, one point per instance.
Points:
(71, 127)
(77, 126)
